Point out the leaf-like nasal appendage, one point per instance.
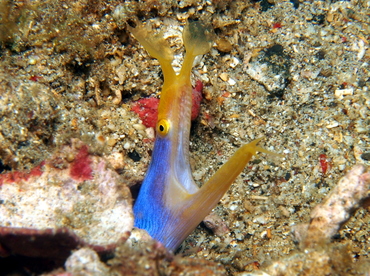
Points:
(197, 38)
(155, 44)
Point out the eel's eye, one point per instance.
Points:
(163, 127)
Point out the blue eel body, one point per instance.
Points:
(170, 205)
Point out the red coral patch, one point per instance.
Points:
(147, 109)
(197, 98)
(15, 177)
(80, 167)
(324, 163)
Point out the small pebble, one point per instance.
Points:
(223, 45)
(224, 76)
(126, 145)
(366, 156)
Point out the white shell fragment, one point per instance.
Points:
(83, 195)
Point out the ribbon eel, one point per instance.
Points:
(170, 205)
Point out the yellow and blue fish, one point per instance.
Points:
(170, 205)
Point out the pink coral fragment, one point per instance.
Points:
(336, 208)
